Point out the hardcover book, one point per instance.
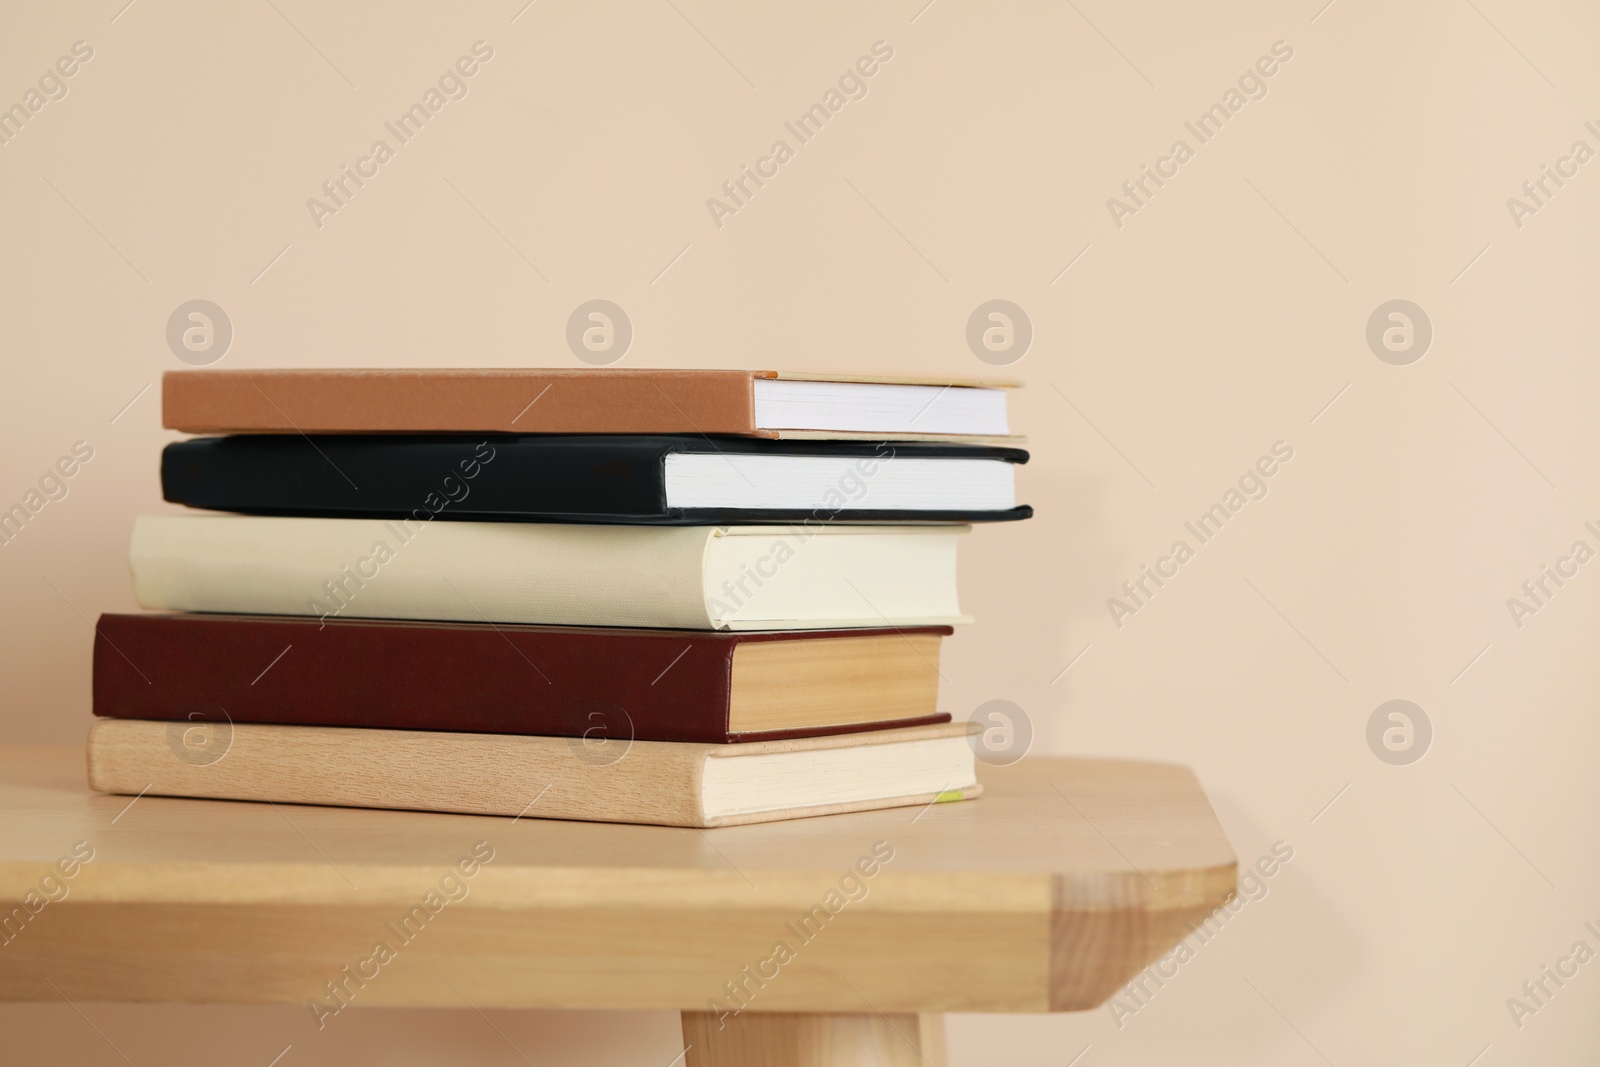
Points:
(661, 782)
(582, 401)
(797, 577)
(598, 684)
(593, 479)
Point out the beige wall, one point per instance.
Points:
(1221, 317)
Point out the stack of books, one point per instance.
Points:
(690, 598)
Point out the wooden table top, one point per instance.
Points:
(1046, 894)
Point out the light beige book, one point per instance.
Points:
(658, 782)
(681, 577)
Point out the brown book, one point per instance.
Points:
(598, 401)
(605, 685)
(665, 783)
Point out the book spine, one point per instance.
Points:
(415, 480)
(609, 688)
(578, 401)
(478, 774)
(462, 571)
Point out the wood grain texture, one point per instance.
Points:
(1046, 895)
(782, 1039)
(783, 686)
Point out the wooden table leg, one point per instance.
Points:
(779, 1039)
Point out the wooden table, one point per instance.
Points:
(843, 936)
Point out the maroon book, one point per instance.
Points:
(647, 685)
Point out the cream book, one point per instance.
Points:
(681, 577)
(663, 783)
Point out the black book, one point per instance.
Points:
(655, 480)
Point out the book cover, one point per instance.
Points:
(657, 782)
(603, 685)
(811, 577)
(585, 479)
(527, 400)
